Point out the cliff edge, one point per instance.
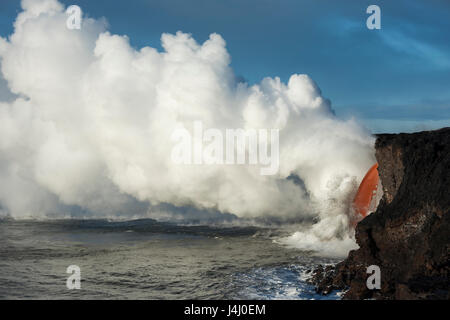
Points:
(408, 235)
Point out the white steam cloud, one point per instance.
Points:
(90, 124)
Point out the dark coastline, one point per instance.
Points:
(408, 235)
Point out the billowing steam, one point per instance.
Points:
(89, 128)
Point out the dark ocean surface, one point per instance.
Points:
(146, 259)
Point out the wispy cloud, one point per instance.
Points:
(427, 52)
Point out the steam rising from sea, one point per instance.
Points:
(87, 132)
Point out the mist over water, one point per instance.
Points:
(87, 133)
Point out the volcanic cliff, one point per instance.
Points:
(408, 235)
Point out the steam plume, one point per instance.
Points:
(88, 128)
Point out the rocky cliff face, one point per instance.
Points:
(408, 236)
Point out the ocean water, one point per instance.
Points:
(146, 259)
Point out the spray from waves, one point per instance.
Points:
(88, 130)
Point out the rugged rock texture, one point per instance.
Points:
(408, 236)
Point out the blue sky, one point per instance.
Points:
(393, 79)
